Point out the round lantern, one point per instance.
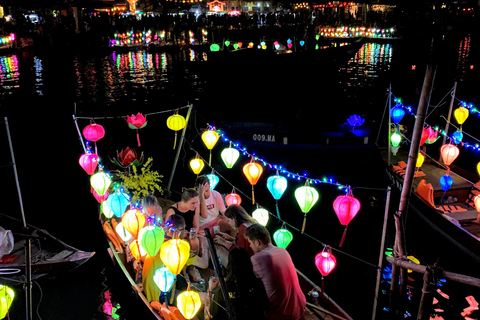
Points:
(446, 182)
(420, 160)
(107, 212)
(122, 233)
(164, 279)
(346, 208)
(233, 198)
(395, 139)
(282, 238)
(325, 261)
(174, 254)
(176, 123)
(306, 197)
(213, 180)
(397, 113)
(100, 198)
(252, 171)
(189, 302)
(151, 239)
(230, 156)
(133, 221)
(118, 202)
(449, 153)
(138, 252)
(461, 114)
(6, 299)
(457, 137)
(88, 161)
(210, 138)
(261, 215)
(93, 132)
(100, 182)
(197, 165)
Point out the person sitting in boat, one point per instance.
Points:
(212, 207)
(239, 220)
(152, 210)
(188, 208)
(248, 297)
(274, 266)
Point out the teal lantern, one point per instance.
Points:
(118, 203)
(277, 185)
(213, 180)
(282, 238)
(151, 239)
(164, 279)
(306, 197)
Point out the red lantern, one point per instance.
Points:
(325, 261)
(346, 207)
(88, 161)
(233, 198)
(252, 171)
(93, 132)
(425, 135)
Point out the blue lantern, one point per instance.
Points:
(302, 43)
(446, 182)
(213, 180)
(355, 120)
(164, 279)
(397, 113)
(457, 137)
(277, 185)
(118, 203)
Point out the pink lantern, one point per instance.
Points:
(137, 122)
(93, 132)
(346, 207)
(233, 198)
(425, 135)
(88, 161)
(325, 261)
(100, 198)
(449, 153)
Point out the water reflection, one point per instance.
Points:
(9, 74)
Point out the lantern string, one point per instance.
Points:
(120, 117)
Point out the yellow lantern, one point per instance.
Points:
(197, 165)
(176, 123)
(210, 138)
(6, 298)
(461, 114)
(138, 252)
(174, 254)
(189, 302)
(133, 221)
(478, 168)
(420, 160)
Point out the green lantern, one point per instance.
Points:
(306, 197)
(100, 182)
(230, 156)
(214, 47)
(282, 238)
(151, 239)
(6, 298)
(227, 43)
(395, 139)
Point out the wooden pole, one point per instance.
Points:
(429, 286)
(389, 150)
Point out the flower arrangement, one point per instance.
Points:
(139, 184)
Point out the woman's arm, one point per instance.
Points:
(169, 213)
(196, 219)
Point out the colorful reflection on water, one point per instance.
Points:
(9, 74)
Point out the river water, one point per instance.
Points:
(40, 93)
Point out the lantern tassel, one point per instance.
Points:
(304, 222)
(138, 139)
(172, 290)
(175, 141)
(448, 170)
(278, 211)
(253, 197)
(210, 159)
(343, 237)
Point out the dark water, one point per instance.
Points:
(40, 93)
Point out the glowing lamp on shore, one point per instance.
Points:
(449, 153)
(176, 123)
(233, 198)
(138, 252)
(306, 197)
(164, 279)
(6, 299)
(230, 156)
(446, 182)
(197, 165)
(213, 180)
(420, 160)
(461, 114)
(397, 113)
(133, 221)
(89, 162)
(122, 233)
(189, 302)
(100, 182)
(282, 238)
(93, 132)
(261, 216)
(210, 138)
(346, 208)
(214, 47)
(174, 254)
(395, 139)
(252, 171)
(151, 239)
(325, 261)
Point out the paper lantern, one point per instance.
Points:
(118, 202)
(261, 215)
(478, 168)
(449, 153)
(137, 122)
(93, 132)
(252, 171)
(425, 135)
(189, 302)
(325, 261)
(457, 137)
(151, 239)
(420, 160)
(277, 185)
(6, 299)
(230, 156)
(138, 252)
(164, 279)
(197, 165)
(461, 114)
(133, 221)
(282, 238)
(432, 136)
(210, 138)
(122, 233)
(306, 197)
(176, 123)
(100, 182)
(233, 198)
(100, 198)
(397, 113)
(476, 201)
(346, 208)
(89, 162)
(174, 254)
(213, 180)
(446, 182)
(107, 212)
(395, 139)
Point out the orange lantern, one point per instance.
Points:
(253, 171)
(210, 138)
(133, 221)
(138, 252)
(233, 198)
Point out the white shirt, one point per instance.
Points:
(215, 205)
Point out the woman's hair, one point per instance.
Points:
(149, 201)
(257, 232)
(188, 194)
(240, 268)
(238, 213)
